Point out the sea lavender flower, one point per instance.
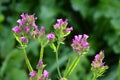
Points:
(80, 44)
(27, 26)
(61, 30)
(69, 29)
(27, 20)
(97, 63)
(51, 36)
(23, 39)
(61, 24)
(40, 64)
(16, 29)
(42, 31)
(27, 30)
(44, 75)
(33, 73)
(98, 66)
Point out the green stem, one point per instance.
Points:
(40, 72)
(27, 60)
(94, 77)
(56, 54)
(41, 53)
(72, 66)
(40, 59)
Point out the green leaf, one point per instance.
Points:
(16, 74)
(81, 6)
(33, 47)
(116, 24)
(2, 18)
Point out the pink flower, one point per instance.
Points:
(97, 62)
(23, 39)
(24, 15)
(40, 64)
(33, 73)
(60, 23)
(42, 29)
(20, 21)
(69, 29)
(80, 44)
(97, 57)
(45, 73)
(27, 30)
(51, 36)
(16, 29)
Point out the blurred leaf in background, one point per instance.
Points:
(99, 19)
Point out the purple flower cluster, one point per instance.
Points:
(40, 65)
(80, 44)
(17, 29)
(61, 29)
(27, 28)
(69, 29)
(33, 73)
(51, 36)
(97, 63)
(23, 39)
(61, 24)
(44, 76)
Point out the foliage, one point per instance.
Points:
(98, 18)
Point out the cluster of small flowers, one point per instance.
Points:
(26, 28)
(61, 29)
(80, 44)
(98, 67)
(97, 63)
(34, 75)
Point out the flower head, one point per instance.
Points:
(26, 27)
(61, 24)
(98, 66)
(27, 30)
(40, 64)
(45, 73)
(23, 39)
(33, 73)
(27, 20)
(51, 36)
(69, 29)
(42, 29)
(97, 63)
(16, 29)
(80, 44)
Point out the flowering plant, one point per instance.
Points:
(27, 30)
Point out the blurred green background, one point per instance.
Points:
(100, 19)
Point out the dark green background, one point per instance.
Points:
(100, 19)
